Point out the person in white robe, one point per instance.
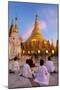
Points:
(11, 67)
(42, 75)
(27, 70)
(16, 66)
(50, 65)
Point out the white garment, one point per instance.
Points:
(42, 76)
(11, 66)
(27, 71)
(50, 66)
(16, 66)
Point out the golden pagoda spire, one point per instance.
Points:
(36, 19)
(16, 22)
(36, 26)
(36, 34)
(15, 28)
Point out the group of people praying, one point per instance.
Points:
(40, 75)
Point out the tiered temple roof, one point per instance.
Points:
(14, 28)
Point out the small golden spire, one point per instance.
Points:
(16, 21)
(36, 17)
(36, 26)
(15, 29)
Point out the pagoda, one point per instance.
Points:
(14, 40)
(36, 42)
(36, 34)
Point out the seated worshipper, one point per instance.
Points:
(50, 66)
(27, 70)
(11, 67)
(16, 66)
(42, 75)
(31, 63)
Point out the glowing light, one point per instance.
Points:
(28, 52)
(52, 51)
(38, 51)
(46, 51)
(33, 40)
(23, 51)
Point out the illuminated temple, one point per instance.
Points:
(36, 43)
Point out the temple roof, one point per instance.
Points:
(13, 27)
(36, 34)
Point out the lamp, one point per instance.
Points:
(52, 51)
(38, 51)
(46, 51)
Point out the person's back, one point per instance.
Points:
(16, 65)
(42, 75)
(50, 65)
(11, 69)
(27, 70)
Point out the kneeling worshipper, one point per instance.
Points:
(42, 75)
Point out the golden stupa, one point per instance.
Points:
(36, 34)
(36, 42)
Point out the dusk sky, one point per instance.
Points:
(26, 13)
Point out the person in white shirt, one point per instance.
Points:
(50, 65)
(11, 67)
(27, 70)
(42, 75)
(16, 66)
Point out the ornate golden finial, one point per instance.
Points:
(36, 17)
(36, 26)
(16, 19)
(16, 25)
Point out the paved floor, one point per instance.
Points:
(16, 81)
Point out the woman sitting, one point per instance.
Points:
(16, 66)
(50, 65)
(42, 75)
(27, 70)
